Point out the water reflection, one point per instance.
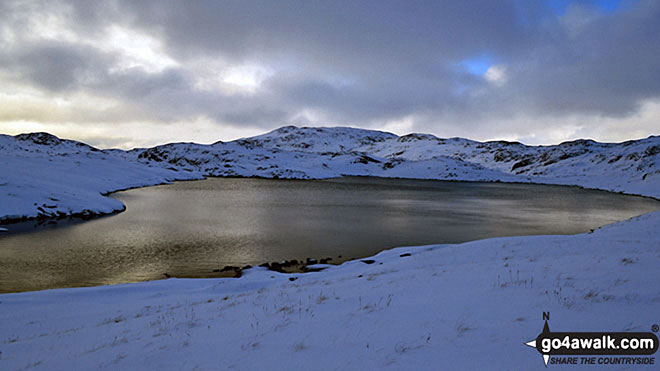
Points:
(191, 228)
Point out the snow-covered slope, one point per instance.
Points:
(43, 176)
(320, 140)
(632, 167)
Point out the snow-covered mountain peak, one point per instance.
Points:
(320, 139)
(40, 142)
(40, 138)
(47, 139)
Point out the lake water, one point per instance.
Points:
(187, 229)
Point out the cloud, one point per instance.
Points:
(517, 69)
(496, 75)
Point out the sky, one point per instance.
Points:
(139, 73)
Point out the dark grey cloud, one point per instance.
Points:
(57, 66)
(388, 31)
(356, 62)
(607, 67)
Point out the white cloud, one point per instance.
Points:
(136, 50)
(217, 75)
(496, 74)
(400, 126)
(246, 77)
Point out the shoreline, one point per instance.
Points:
(288, 266)
(88, 214)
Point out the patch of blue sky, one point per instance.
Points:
(477, 65)
(606, 6)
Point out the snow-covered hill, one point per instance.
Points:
(44, 176)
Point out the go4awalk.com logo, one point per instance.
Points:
(595, 348)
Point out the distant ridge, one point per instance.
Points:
(45, 176)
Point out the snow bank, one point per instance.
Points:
(43, 176)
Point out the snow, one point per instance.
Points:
(467, 306)
(66, 177)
